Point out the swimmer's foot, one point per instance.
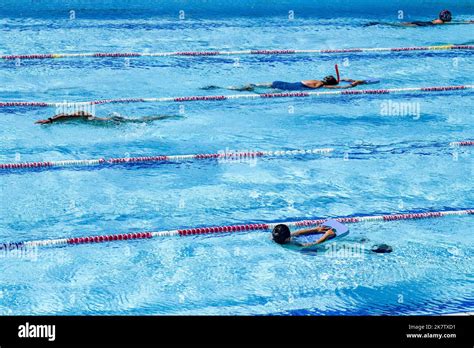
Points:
(210, 87)
(268, 91)
(381, 248)
(246, 88)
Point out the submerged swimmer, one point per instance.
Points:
(83, 116)
(328, 82)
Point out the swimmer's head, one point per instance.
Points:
(330, 80)
(445, 16)
(281, 234)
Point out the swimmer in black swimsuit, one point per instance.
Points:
(87, 117)
(444, 17)
(328, 82)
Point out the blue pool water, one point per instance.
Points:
(382, 164)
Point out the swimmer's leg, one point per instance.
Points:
(159, 118)
(401, 24)
(211, 87)
(369, 24)
(250, 87)
(148, 119)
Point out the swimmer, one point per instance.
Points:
(281, 234)
(444, 17)
(83, 116)
(328, 82)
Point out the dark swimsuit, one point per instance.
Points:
(422, 23)
(289, 86)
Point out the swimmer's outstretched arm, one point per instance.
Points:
(325, 236)
(61, 117)
(352, 84)
(352, 80)
(308, 231)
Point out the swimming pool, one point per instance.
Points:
(382, 163)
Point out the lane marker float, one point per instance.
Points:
(61, 242)
(462, 143)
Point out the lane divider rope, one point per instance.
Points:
(227, 155)
(233, 53)
(237, 96)
(462, 143)
(230, 155)
(60, 242)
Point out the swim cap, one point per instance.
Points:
(445, 16)
(281, 233)
(330, 80)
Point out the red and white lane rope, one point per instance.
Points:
(234, 53)
(225, 155)
(462, 143)
(227, 229)
(239, 96)
(228, 155)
